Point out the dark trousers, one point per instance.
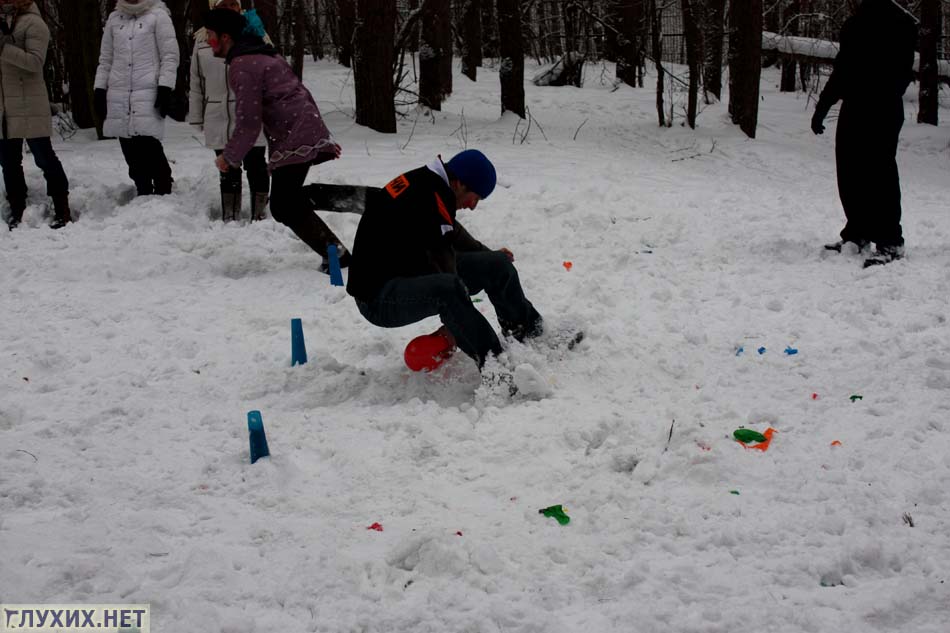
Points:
(11, 158)
(148, 167)
(868, 181)
(407, 300)
(255, 164)
(290, 205)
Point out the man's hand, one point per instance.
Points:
(817, 123)
(508, 254)
(221, 163)
(337, 151)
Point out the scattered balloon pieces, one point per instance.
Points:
(748, 435)
(459, 533)
(761, 351)
(856, 397)
(790, 351)
(763, 445)
(556, 512)
(836, 443)
(814, 396)
(734, 492)
(376, 526)
(739, 351)
(568, 266)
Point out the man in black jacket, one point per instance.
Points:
(874, 66)
(412, 259)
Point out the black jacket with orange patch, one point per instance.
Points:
(407, 230)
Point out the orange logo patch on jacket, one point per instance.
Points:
(442, 210)
(397, 185)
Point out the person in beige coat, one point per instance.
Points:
(25, 111)
(211, 109)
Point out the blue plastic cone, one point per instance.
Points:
(255, 428)
(336, 275)
(298, 349)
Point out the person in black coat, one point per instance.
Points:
(413, 259)
(874, 66)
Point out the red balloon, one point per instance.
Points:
(426, 352)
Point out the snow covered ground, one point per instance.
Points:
(136, 340)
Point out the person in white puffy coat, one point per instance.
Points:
(138, 66)
(212, 110)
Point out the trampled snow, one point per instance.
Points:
(136, 340)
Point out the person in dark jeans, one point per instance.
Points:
(874, 66)
(24, 110)
(413, 259)
(57, 185)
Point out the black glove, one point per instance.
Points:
(817, 121)
(163, 101)
(5, 28)
(99, 103)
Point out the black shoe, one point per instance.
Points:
(520, 332)
(12, 223)
(884, 255)
(861, 245)
(58, 223)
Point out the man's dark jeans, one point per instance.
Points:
(407, 300)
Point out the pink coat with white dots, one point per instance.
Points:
(268, 94)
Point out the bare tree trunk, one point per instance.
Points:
(185, 46)
(629, 20)
(435, 55)
(544, 28)
(693, 34)
(300, 37)
(314, 34)
(929, 35)
(82, 57)
(569, 25)
(789, 81)
(511, 72)
(346, 22)
(373, 64)
(556, 39)
(656, 33)
(413, 42)
(712, 73)
(745, 63)
(489, 30)
(267, 9)
(471, 38)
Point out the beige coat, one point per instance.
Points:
(24, 102)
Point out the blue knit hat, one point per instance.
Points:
(474, 170)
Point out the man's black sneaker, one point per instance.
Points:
(884, 255)
(861, 245)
